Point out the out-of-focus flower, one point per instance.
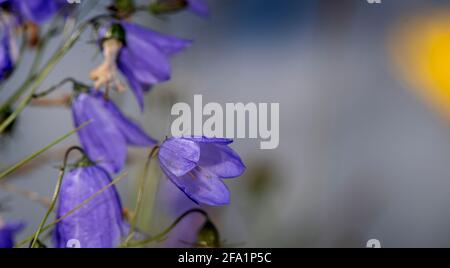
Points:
(105, 139)
(8, 231)
(36, 11)
(28, 15)
(420, 48)
(142, 56)
(197, 165)
(97, 224)
(6, 57)
(198, 7)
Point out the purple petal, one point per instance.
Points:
(7, 233)
(136, 86)
(150, 69)
(199, 7)
(201, 186)
(38, 11)
(169, 45)
(221, 160)
(133, 133)
(209, 140)
(102, 140)
(6, 62)
(97, 224)
(179, 156)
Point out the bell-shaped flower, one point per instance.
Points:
(197, 165)
(106, 138)
(141, 55)
(99, 223)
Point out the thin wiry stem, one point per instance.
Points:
(27, 159)
(140, 194)
(55, 194)
(57, 86)
(161, 235)
(40, 77)
(49, 226)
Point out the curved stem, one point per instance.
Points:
(140, 194)
(55, 194)
(170, 228)
(57, 86)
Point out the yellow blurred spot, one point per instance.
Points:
(420, 47)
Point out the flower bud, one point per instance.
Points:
(208, 236)
(168, 6)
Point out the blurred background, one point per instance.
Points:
(364, 93)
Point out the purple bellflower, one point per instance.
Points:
(106, 137)
(7, 232)
(97, 224)
(140, 54)
(197, 165)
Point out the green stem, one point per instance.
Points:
(57, 86)
(55, 194)
(31, 73)
(40, 77)
(140, 195)
(161, 235)
(27, 159)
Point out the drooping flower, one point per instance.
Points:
(99, 223)
(8, 231)
(106, 137)
(197, 165)
(141, 55)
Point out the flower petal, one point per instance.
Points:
(101, 139)
(221, 160)
(169, 45)
(97, 224)
(133, 133)
(7, 232)
(204, 139)
(201, 186)
(135, 85)
(38, 11)
(179, 156)
(6, 61)
(199, 7)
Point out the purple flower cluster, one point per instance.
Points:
(195, 165)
